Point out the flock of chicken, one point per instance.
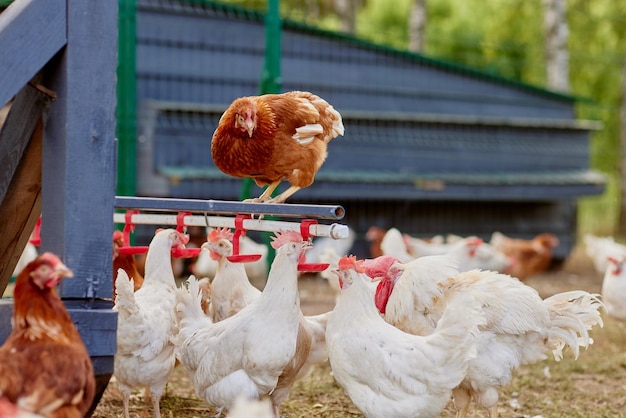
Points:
(428, 329)
(461, 329)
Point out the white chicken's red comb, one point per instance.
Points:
(283, 237)
(220, 233)
(350, 262)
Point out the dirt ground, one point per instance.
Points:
(593, 386)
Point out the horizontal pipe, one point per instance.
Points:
(335, 231)
(220, 207)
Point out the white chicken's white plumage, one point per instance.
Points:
(520, 327)
(28, 254)
(231, 289)
(205, 266)
(469, 252)
(394, 244)
(258, 351)
(614, 287)
(599, 249)
(390, 373)
(147, 322)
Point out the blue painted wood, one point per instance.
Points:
(79, 174)
(31, 32)
(79, 156)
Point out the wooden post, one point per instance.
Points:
(79, 164)
(20, 185)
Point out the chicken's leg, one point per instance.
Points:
(284, 195)
(125, 402)
(462, 399)
(267, 193)
(155, 405)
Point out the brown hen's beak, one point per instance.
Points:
(62, 271)
(250, 127)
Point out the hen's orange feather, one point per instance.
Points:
(44, 364)
(276, 136)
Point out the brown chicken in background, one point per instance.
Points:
(44, 365)
(124, 261)
(273, 137)
(530, 257)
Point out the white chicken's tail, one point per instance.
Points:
(188, 300)
(455, 335)
(124, 294)
(572, 315)
(189, 311)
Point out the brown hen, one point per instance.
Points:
(126, 262)
(44, 365)
(273, 137)
(530, 257)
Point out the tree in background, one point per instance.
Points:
(622, 121)
(557, 54)
(417, 26)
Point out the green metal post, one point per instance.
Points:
(126, 99)
(270, 77)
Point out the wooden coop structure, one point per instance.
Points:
(430, 147)
(58, 152)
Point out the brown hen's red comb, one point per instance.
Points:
(50, 258)
(350, 262)
(118, 235)
(220, 233)
(283, 237)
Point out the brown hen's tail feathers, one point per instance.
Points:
(337, 128)
(572, 315)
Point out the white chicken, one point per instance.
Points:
(614, 288)
(394, 243)
(469, 252)
(231, 289)
(28, 254)
(147, 322)
(390, 373)
(520, 327)
(206, 266)
(251, 408)
(599, 249)
(255, 353)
